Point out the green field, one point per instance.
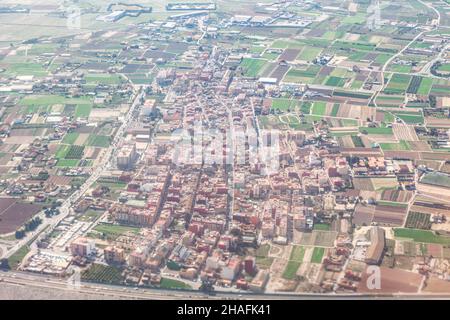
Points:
(75, 152)
(317, 255)
(252, 67)
(445, 67)
(437, 179)
(410, 118)
(345, 45)
(290, 271)
(383, 131)
(319, 108)
(62, 151)
(112, 185)
(98, 141)
(167, 283)
(53, 99)
(335, 82)
(402, 145)
(263, 260)
(67, 163)
(309, 53)
(26, 69)
(421, 236)
(322, 226)
(70, 138)
(90, 215)
(83, 110)
(106, 79)
(382, 58)
(297, 253)
(356, 19)
(425, 86)
(418, 220)
(15, 260)
(113, 231)
(103, 274)
(398, 84)
(282, 104)
(302, 75)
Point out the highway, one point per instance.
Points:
(111, 292)
(118, 292)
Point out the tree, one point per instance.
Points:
(4, 264)
(20, 234)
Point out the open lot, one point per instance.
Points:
(13, 214)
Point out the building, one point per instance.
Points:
(258, 284)
(137, 258)
(82, 247)
(231, 269)
(126, 157)
(114, 254)
(113, 16)
(374, 254)
(250, 265)
(137, 217)
(166, 77)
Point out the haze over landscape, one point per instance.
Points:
(159, 149)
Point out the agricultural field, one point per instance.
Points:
(67, 163)
(74, 152)
(83, 110)
(444, 68)
(410, 117)
(103, 274)
(290, 272)
(167, 283)
(282, 104)
(112, 232)
(302, 75)
(317, 255)
(252, 67)
(318, 108)
(70, 138)
(436, 179)
(398, 84)
(322, 226)
(263, 260)
(90, 215)
(297, 253)
(16, 259)
(402, 145)
(98, 141)
(421, 236)
(425, 86)
(376, 131)
(105, 79)
(417, 220)
(309, 53)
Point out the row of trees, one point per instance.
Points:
(436, 72)
(29, 226)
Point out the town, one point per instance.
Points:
(271, 147)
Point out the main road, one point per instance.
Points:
(37, 281)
